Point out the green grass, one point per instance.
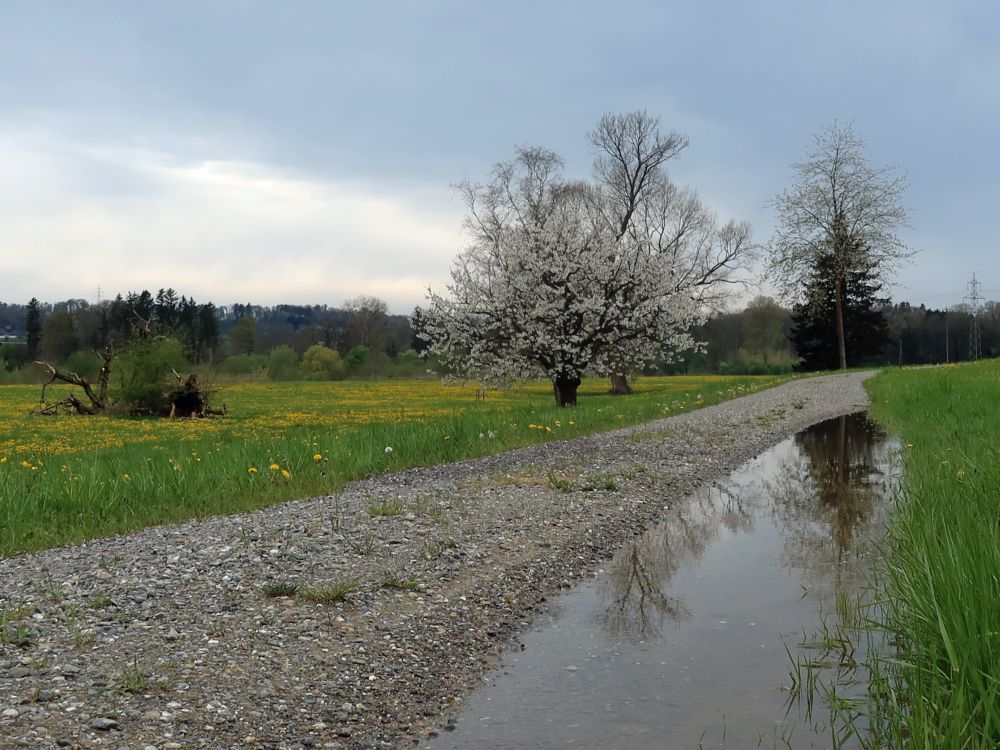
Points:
(69, 478)
(386, 508)
(938, 685)
(328, 594)
(280, 588)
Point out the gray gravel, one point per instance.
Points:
(167, 639)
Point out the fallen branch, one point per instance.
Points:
(98, 400)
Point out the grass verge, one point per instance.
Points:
(937, 684)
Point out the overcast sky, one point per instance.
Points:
(302, 152)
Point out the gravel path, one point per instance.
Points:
(167, 639)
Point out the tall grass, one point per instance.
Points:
(69, 478)
(939, 684)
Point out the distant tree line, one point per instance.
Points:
(319, 342)
(766, 337)
(238, 339)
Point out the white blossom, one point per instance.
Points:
(562, 279)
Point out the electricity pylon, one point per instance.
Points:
(975, 337)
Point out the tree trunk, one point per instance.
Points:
(839, 305)
(564, 388)
(619, 384)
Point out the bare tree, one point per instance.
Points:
(644, 208)
(840, 207)
(369, 324)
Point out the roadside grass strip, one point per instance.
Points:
(937, 682)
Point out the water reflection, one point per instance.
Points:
(829, 504)
(635, 587)
(680, 642)
(823, 491)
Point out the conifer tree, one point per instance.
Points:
(814, 329)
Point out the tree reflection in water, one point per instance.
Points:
(825, 492)
(829, 503)
(634, 589)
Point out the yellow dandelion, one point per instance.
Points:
(252, 470)
(318, 457)
(286, 474)
(275, 467)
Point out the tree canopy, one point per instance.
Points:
(565, 277)
(841, 212)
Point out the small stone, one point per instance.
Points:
(104, 724)
(10, 713)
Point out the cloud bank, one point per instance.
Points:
(76, 218)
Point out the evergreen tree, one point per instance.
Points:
(814, 325)
(208, 330)
(33, 326)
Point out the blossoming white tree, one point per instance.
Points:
(566, 277)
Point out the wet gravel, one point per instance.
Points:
(180, 637)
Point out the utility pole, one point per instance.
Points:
(947, 358)
(975, 337)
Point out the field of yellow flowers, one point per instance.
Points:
(68, 478)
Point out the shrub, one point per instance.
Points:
(142, 373)
(13, 356)
(322, 363)
(282, 363)
(356, 358)
(84, 364)
(244, 364)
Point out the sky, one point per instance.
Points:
(304, 152)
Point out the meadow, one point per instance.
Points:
(68, 478)
(938, 582)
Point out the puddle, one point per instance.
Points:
(679, 641)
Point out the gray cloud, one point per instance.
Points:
(124, 123)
